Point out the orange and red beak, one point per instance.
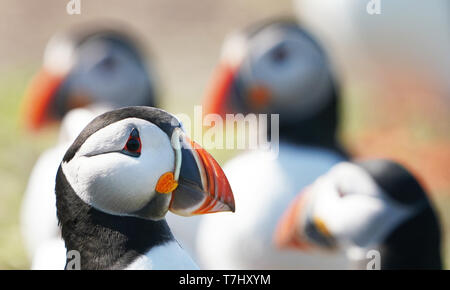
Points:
(36, 108)
(202, 185)
(289, 231)
(257, 96)
(216, 98)
(299, 228)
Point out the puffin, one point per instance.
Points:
(375, 210)
(272, 67)
(87, 70)
(89, 64)
(120, 177)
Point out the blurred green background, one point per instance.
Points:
(185, 39)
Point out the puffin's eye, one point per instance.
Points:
(279, 54)
(109, 63)
(133, 145)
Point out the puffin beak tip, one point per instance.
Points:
(202, 186)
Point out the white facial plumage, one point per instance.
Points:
(355, 210)
(291, 66)
(108, 72)
(99, 71)
(114, 182)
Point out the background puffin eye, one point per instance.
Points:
(133, 145)
(279, 54)
(107, 64)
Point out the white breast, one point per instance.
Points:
(263, 188)
(185, 231)
(38, 213)
(51, 255)
(169, 256)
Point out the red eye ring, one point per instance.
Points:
(134, 145)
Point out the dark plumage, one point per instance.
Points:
(415, 244)
(104, 241)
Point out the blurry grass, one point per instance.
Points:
(18, 152)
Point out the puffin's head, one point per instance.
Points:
(370, 204)
(97, 65)
(273, 67)
(137, 161)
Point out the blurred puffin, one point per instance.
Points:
(119, 178)
(86, 71)
(274, 67)
(88, 65)
(364, 206)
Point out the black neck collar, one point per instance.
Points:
(104, 241)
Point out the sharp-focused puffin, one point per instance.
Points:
(86, 71)
(275, 68)
(360, 207)
(119, 178)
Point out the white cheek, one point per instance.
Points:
(356, 219)
(110, 87)
(304, 87)
(117, 183)
(369, 220)
(363, 216)
(300, 85)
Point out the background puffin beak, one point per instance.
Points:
(38, 99)
(289, 231)
(216, 98)
(202, 185)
